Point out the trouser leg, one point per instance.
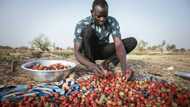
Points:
(108, 51)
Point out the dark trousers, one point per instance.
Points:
(94, 51)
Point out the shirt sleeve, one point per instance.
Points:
(79, 28)
(115, 28)
(77, 32)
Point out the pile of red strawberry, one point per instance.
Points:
(57, 66)
(113, 90)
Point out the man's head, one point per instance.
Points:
(99, 11)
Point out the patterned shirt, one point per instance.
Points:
(111, 27)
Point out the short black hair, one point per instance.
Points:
(101, 3)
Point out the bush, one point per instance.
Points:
(41, 42)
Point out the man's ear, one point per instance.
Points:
(92, 12)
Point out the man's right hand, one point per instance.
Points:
(97, 69)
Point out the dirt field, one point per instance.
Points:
(161, 66)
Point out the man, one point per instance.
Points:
(91, 41)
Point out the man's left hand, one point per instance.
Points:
(128, 73)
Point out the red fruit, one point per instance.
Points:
(25, 98)
(52, 105)
(19, 104)
(34, 67)
(56, 95)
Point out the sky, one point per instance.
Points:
(149, 20)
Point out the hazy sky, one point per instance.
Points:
(150, 20)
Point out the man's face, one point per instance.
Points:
(100, 14)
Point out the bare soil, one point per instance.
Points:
(161, 66)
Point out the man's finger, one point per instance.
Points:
(98, 70)
(101, 68)
(128, 74)
(103, 71)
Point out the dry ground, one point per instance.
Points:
(162, 66)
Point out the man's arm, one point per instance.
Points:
(120, 53)
(79, 56)
(84, 61)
